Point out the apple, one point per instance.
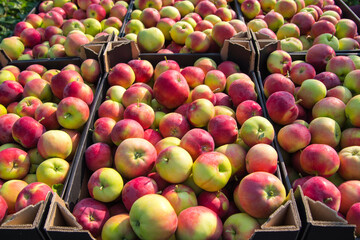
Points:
(264, 188)
(48, 144)
(310, 92)
(282, 108)
(31, 195)
(4, 208)
(279, 61)
(150, 40)
(27, 106)
(205, 8)
(124, 129)
(173, 125)
(200, 112)
(142, 4)
(319, 55)
(321, 189)
(197, 42)
(150, 17)
(349, 195)
(256, 130)
(194, 76)
(165, 65)
(9, 191)
(349, 160)
(72, 113)
(349, 137)
(14, 164)
(197, 141)
(12, 47)
(240, 226)
(329, 79)
(222, 31)
(10, 91)
(6, 123)
(304, 20)
(21, 26)
(111, 109)
(140, 112)
(180, 31)
(165, 25)
(137, 94)
(223, 129)
(352, 217)
(345, 28)
(91, 215)
(261, 157)
(52, 171)
(325, 130)
(241, 90)
(27, 131)
(118, 226)
(250, 8)
(206, 64)
(52, 18)
(351, 111)
(294, 130)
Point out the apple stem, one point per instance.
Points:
(326, 200)
(298, 101)
(166, 59)
(41, 119)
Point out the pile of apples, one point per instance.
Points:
(41, 116)
(62, 26)
(300, 24)
(182, 26)
(177, 153)
(316, 105)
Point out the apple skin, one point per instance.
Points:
(345, 28)
(54, 143)
(173, 125)
(198, 223)
(197, 42)
(91, 215)
(200, 112)
(277, 82)
(76, 109)
(124, 129)
(143, 70)
(180, 31)
(223, 129)
(27, 106)
(142, 4)
(352, 112)
(329, 79)
(73, 44)
(117, 227)
(142, 216)
(150, 40)
(350, 194)
(261, 157)
(12, 47)
(240, 226)
(255, 184)
(205, 8)
(21, 26)
(52, 171)
(349, 160)
(31, 195)
(256, 130)
(282, 108)
(211, 171)
(180, 197)
(310, 92)
(135, 157)
(59, 81)
(165, 65)
(10, 91)
(3, 208)
(152, 136)
(222, 99)
(140, 112)
(111, 109)
(102, 130)
(279, 61)
(177, 89)
(136, 188)
(319, 55)
(341, 93)
(194, 76)
(222, 31)
(353, 216)
(319, 159)
(27, 131)
(352, 83)
(10, 191)
(216, 201)
(98, 155)
(341, 66)
(321, 189)
(30, 37)
(250, 9)
(206, 64)
(166, 142)
(79, 90)
(350, 137)
(304, 21)
(14, 164)
(241, 90)
(291, 131)
(325, 130)
(6, 123)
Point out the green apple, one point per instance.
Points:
(352, 111)
(118, 227)
(184, 7)
(291, 44)
(13, 47)
(6, 75)
(356, 60)
(311, 91)
(150, 40)
(55, 143)
(134, 26)
(179, 32)
(92, 26)
(52, 171)
(256, 130)
(328, 39)
(240, 226)
(136, 14)
(131, 37)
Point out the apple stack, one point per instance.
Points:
(41, 117)
(182, 26)
(315, 105)
(61, 27)
(168, 158)
(300, 24)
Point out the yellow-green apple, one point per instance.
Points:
(216, 201)
(166, 142)
(3, 208)
(117, 227)
(319, 159)
(21, 26)
(236, 155)
(205, 8)
(3, 110)
(177, 89)
(277, 82)
(105, 184)
(9, 191)
(194, 16)
(246, 110)
(224, 110)
(206, 64)
(241, 90)
(291, 131)
(27, 131)
(6, 123)
(198, 222)
(121, 74)
(150, 40)
(90, 70)
(197, 42)
(150, 17)
(14, 164)
(321, 189)
(250, 9)
(107, 5)
(216, 80)
(34, 19)
(350, 194)
(140, 112)
(287, 8)
(319, 55)
(148, 225)
(223, 129)
(111, 109)
(124, 129)
(256, 130)
(137, 94)
(52, 171)
(180, 31)
(310, 92)
(256, 24)
(165, 25)
(91, 215)
(349, 161)
(180, 197)
(352, 83)
(304, 21)
(224, 14)
(52, 18)
(264, 188)
(72, 113)
(330, 79)
(27, 106)
(240, 226)
(135, 14)
(352, 217)
(135, 157)
(350, 137)
(111, 22)
(211, 171)
(200, 112)
(49, 74)
(288, 30)
(165, 65)
(222, 31)
(96, 11)
(54, 143)
(184, 7)
(10, 91)
(169, 12)
(267, 5)
(56, 51)
(6, 75)
(346, 44)
(341, 66)
(73, 43)
(203, 91)
(173, 125)
(136, 188)
(72, 24)
(274, 20)
(92, 26)
(291, 44)
(345, 28)
(282, 108)
(142, 4)
(261, 157)
(10, 145)
(222, 99)
(330, 107)
(197, 141)
(35, 160)
(115, 93)
(31, 195)
(279, 61)
(194, 76)
(13, 47)
(352, 112)
(98, 156)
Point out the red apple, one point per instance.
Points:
(31, 195)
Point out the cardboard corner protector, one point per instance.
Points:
(125, 48)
